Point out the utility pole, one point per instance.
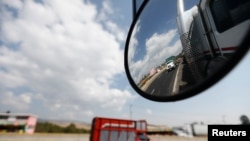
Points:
(223, 119)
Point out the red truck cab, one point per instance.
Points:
(110, 129)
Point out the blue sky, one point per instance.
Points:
(64, 60)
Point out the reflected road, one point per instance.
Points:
(170, 83)
(162, 84)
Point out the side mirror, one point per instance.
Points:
(175, 50)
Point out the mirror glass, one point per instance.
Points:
(172, 47)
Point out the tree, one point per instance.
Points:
(71, 128)
(46, 127)
(244, 120)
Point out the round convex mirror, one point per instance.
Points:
(175, 50)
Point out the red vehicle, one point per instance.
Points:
(109, 129)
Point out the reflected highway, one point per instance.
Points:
(163, 84)
(170, 83)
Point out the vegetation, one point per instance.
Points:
(46, 127)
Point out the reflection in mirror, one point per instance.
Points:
(173, 46)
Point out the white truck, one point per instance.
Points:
(211, 31)
(170, 65)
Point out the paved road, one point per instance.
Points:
(170, 83)
(162, 84)
(82, 137)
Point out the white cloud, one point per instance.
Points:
(89, 113)
(116, 31)
(133, 43)
(105, 17)
(106, 11)
(13, 3)
(60, 53)
(20, 102)
(149, 111)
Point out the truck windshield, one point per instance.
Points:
(169, 62)
(228, 13)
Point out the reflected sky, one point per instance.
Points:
(154, 38)
(138, 4)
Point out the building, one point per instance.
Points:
(17, 123)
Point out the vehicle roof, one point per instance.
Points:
(170, 61)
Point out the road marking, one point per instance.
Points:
(175, 87)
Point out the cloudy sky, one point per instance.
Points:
(64, 60)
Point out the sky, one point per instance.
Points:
(63, 60)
